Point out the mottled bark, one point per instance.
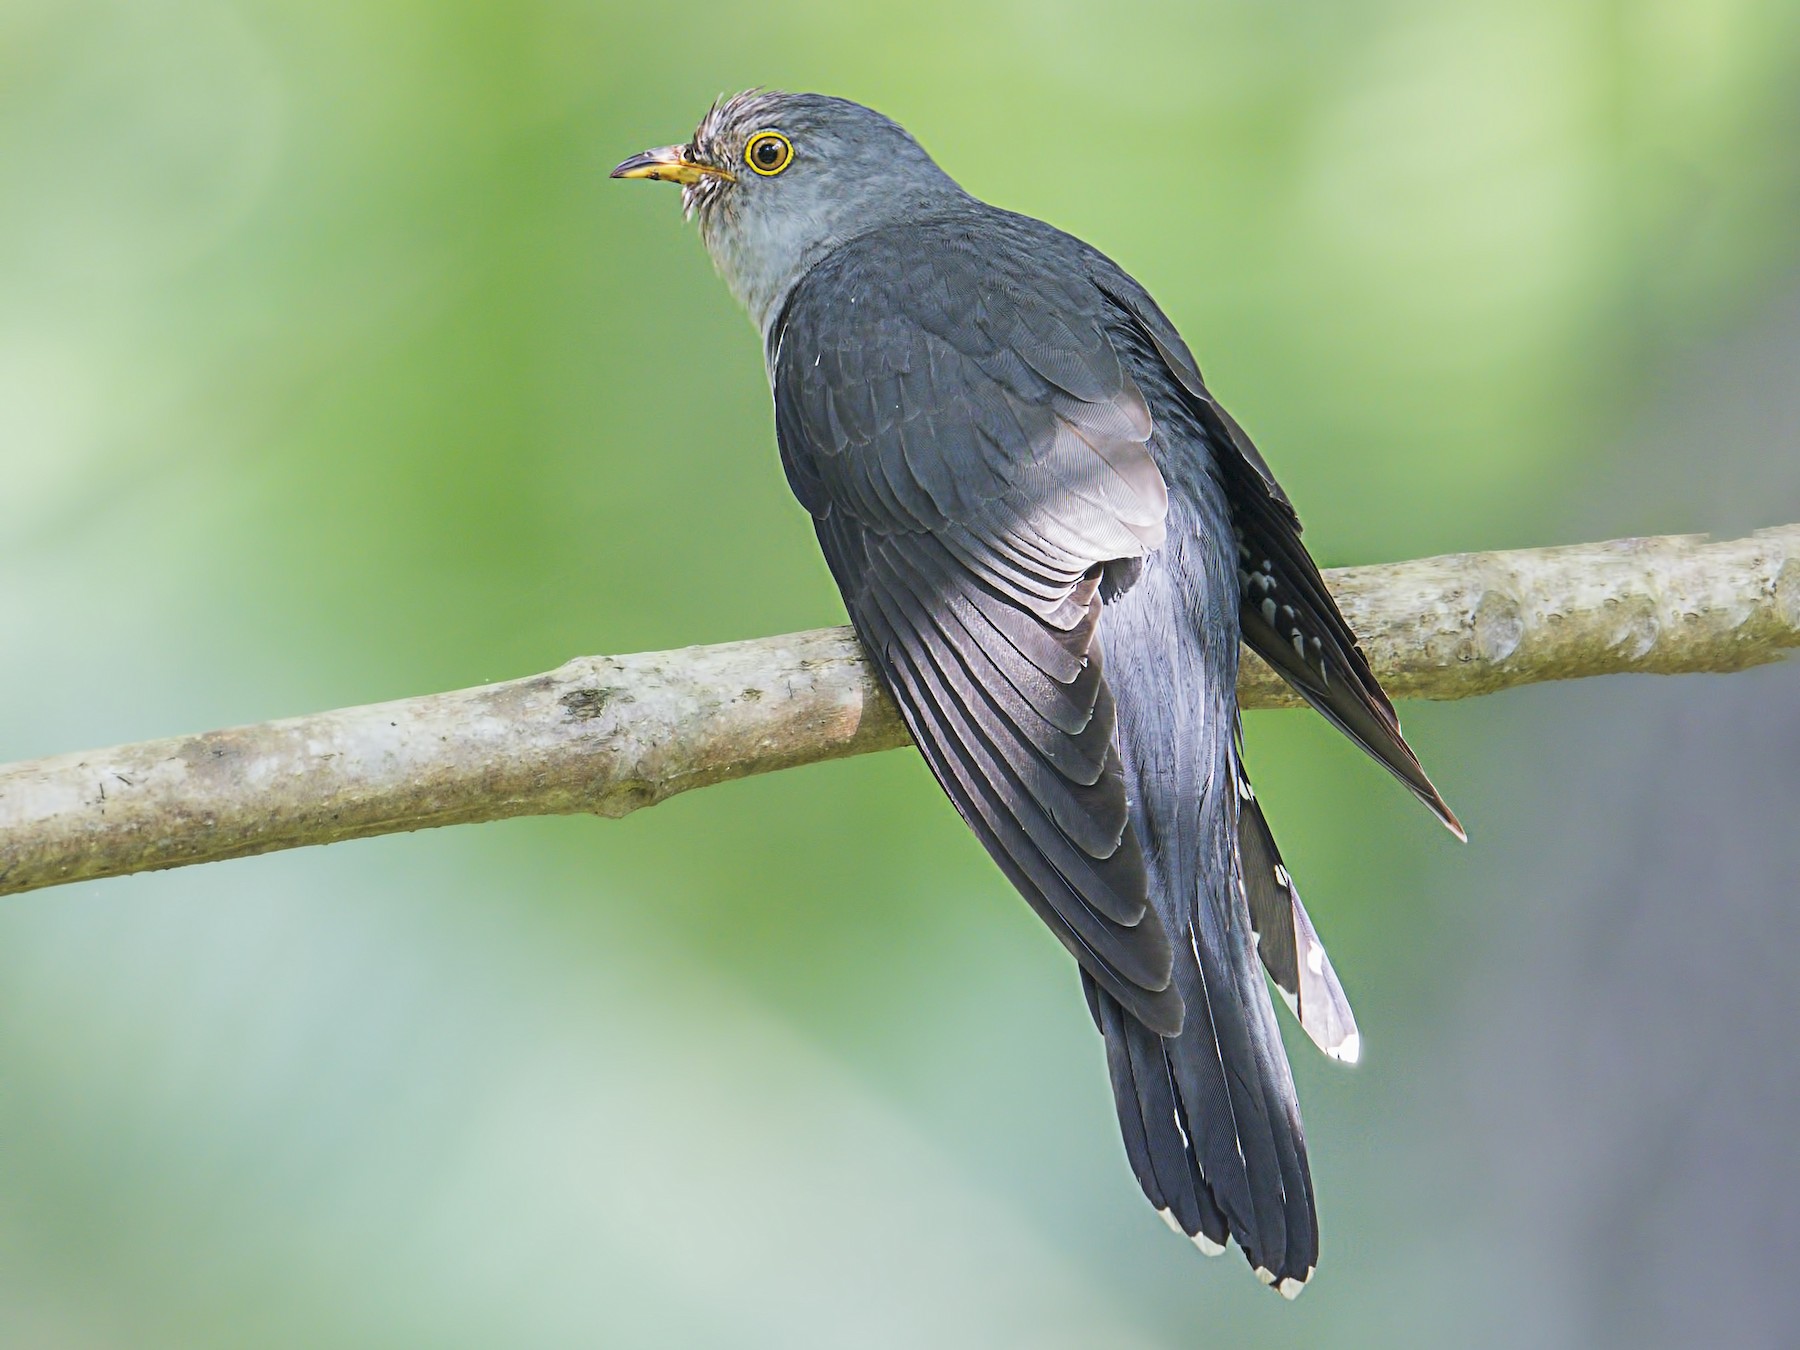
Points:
(612, 734)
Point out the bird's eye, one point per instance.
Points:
(768, 152)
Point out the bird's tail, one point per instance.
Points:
(1210, 1118)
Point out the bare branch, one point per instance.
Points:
(612, 734)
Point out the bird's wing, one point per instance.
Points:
(974, 456)
(1289, 617)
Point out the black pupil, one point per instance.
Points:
(768, 152)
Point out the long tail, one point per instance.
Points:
(1209, 1116)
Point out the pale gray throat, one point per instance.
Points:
(762, 249)
(760, 261)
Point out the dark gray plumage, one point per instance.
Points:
(1050, 538)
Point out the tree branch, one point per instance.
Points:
(612, 734)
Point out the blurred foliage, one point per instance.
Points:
(333, 369)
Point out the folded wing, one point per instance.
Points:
(975, 460)
(1289, 617)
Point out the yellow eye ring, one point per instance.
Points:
(768, 153)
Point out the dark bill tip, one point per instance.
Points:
(668, 164)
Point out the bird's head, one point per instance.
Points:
(777, 180)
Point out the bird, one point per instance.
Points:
(1051, 540)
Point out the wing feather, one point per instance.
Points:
(973, 460)
(1289, 616)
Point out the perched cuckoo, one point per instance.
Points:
(1051, 538)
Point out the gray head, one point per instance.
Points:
(776, 181)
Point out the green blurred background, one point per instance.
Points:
(333, 369)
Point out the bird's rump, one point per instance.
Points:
(1288, 616)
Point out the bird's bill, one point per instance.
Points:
(670, 164)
